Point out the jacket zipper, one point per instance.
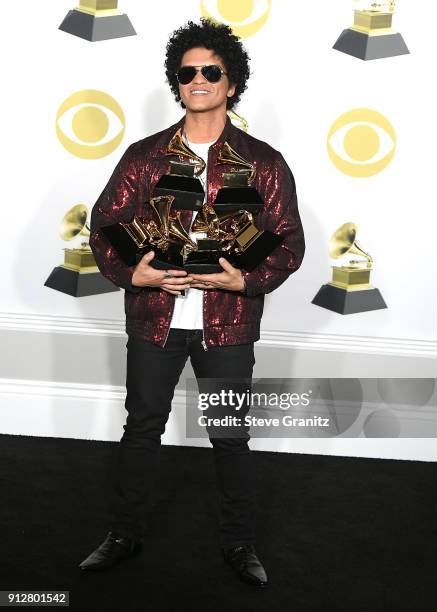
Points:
(208, 172)
(169, 323)
(205, 348)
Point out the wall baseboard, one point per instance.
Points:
(96, 412)
(269, 338)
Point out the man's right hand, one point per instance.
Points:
(146, 276)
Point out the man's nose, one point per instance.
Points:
(199, 78)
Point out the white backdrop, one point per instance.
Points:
(299, 86)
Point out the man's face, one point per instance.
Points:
(215, 94)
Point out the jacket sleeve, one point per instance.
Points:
(281, 216)
(116, 203)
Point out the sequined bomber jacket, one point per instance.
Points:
(229, 317)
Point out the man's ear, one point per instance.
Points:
(231, 90)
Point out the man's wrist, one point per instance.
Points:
(243, 289)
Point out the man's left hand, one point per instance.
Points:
(230, 279)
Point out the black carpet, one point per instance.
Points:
(334, 533)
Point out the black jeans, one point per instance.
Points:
(152, 375)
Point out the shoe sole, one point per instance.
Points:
(259, 585)
(246, 579)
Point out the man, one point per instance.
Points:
(217, 320)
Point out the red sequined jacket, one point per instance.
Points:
(230, 317)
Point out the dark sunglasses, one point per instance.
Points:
(212, 73)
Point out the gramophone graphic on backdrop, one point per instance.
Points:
(78, 275)
(350, 290)
(372, 36)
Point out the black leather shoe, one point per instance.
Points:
(245, 562)
(113, 549)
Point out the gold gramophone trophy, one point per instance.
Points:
(182, 180)
(372, 35)
(234, 236)
(97, 20)
(350, 290)
(78, 275)
(204, 259)
(236, 192)
(164, 234)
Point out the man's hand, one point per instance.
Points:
(231, 278)
(146, 276)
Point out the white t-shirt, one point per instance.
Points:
(188, 310)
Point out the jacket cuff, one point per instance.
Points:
(129, 286)
(251, 288)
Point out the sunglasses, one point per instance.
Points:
(212, 73)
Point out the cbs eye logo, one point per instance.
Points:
(245, 17)
(361, 142)
(90, 124)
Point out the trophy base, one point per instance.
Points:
(163, 260)
(348, 302)
(203, 268)
(365, 47)
(94, 28)
(257, 252)
(187, 191)
(204, 263)
(79, 284)
(238, 198)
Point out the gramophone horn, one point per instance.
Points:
(343, 241)
(138, 231)
(177, 146)
(177, 230)
(228, 155)
(200, 223)
(207, 221)
(161, 205)
(74, 223)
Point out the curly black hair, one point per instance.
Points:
(217, 37)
